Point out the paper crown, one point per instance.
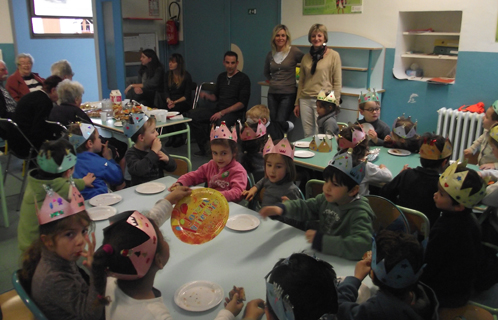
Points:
(86, 132)
(322, 96)
(495, 106)
(137, 120)
(325, 145)
(55, 207)
(493, 132)
(429, 151)
(452, 181)
(47, 163)
(344, 162)
(247, 133)
(142, 255)
(400, 130)
(368, 96)
(357, 137)
(222, 132)
(400, 276)
(283, 147)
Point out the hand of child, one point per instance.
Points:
(381, 166)
(178, 193)
(388, 138)
(270, 211)
(88, 254)
(487, 166)
(404, 167)
(310, 235)
(156, 145)
(235, 305)
(363, 266)
(162, 156)
(106, 152)
(254, 309)
(284, 198)
(88, 179)
(372, 135)
(296, 111)
(249, 194)
(173, 186)
(467, 152)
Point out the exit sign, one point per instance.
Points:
(251, 11)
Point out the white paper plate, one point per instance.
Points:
(199, 295)
(118, 124)
(399, 152)
(101, 213)
(367, 127)
(150, 188)
(321, 136)
(106, 199)
(243, 222)
(303, 154)
(302, 144)
(172, 113)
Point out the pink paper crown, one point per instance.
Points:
(401, 132)
(357, 135)
(222, 132)
(368, 96)
(56, 207)
(283, 147)
(247, 133)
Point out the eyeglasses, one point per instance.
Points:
(372, 110)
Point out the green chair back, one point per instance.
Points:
(417, 221)
(26, 298)
(388, 215)
(183, 165)
(313, 188)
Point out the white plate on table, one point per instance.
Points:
(303, 154)
(199, 295)
(118, 123)
(172, 113)
(101, 212)
(243, 222)
(321, 136)
(399, 152)
(367, 127)
(302, 144)
(106, 199)
(150, 188)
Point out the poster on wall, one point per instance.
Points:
(314, 7)
(154, 8)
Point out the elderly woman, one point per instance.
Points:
(320, 69)
(70, 96)
(62, 68)
(23, 81)
(280, 70)
(150, 79)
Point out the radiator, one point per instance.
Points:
(462, 128)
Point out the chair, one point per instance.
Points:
(342, 125)
(250, 180)
(417, 221)
(467, 312)
(13, 307)
(183, 165)
(5, 212)
(388, 215)
(493, 311)
(56, 129)
(313, 188)
(28, 301)
(205, 86)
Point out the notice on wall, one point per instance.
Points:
(315, 7)
(154, 8)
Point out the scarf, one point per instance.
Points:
(317, 55)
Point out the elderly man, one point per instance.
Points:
(23, 81)
(7, 104)
(62, 68)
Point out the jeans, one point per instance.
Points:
(281, 106)
(308, 115)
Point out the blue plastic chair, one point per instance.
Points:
(26, 298)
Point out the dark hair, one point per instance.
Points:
(226, 143)
(289, 163)
(408, 124)
(341, 178)
(249, 148)
(51, 83)
(494, 116)
(329, 106)
(178, 58)
(231, 54)
(361, 150)
(151, 67)
(473, 180)
(57, 149)
(362, 105)
(74, 128)
(142, 129)
(439, 143)
(309, 283)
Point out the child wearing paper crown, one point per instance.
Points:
(327, 108)
(223, 172)
(454, 250)
(276, 129)
(147, 159)
(404, 135)
(354, 137)
(253, 139)
(49, 271)
(415, 187)
(492, 174)
(85, 138)
(486, 159)
(369, 105)
(394, 264)
(345, 228)
(55, 161)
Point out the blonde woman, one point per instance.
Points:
(280, 70)
(320, 69)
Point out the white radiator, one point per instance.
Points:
(462, 128)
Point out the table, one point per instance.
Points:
(232, 258)
(118, 132)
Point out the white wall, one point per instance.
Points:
(379, 20)
(5, 25)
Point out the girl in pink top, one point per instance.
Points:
(223, 172)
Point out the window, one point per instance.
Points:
(61, 18)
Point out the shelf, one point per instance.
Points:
(355, 92)
(444, 34)
(428, 56)
(355, 69)
(138, 18)
(133, 63)
(426, 79)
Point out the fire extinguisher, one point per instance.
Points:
(173, 25)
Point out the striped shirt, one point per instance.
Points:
(32, 83)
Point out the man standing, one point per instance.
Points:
(7, 103)
(233, 89)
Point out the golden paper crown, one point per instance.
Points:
(452, 182)
(493, 132)
(325, 145)
(429, 150)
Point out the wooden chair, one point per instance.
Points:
(388, 215)
(28, 301)
(493, 311)
(183, 165)
(13, 307)
(313, 188)
(467, 312)
(417, 222)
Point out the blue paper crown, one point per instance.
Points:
(344, 162)
(86, 132)
(46, 162)
(138, 120)
(400, 131)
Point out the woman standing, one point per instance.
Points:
(150, 79)
(280, 70)
(320, 69)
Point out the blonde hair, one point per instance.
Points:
(276, 30)
(317, 27)
(259, 111)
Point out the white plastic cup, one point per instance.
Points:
(162, 116)
(103, 116)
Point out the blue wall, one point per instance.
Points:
(80, 52)
(475, 81)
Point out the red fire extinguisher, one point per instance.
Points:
(172, 25)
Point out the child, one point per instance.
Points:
(492, 174)
(57, 285)
(404, 135)
(253, 139)
(299, 287)
(394, 264)
(345, 217)
(55, 161)
(275, 129)
(415, 188)
(369, 105)
(354, 137)
(327, 108)
(85, 138)
(147, 159)
(454, 249)
(486, 159)
(223, 173)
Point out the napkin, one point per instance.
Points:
(178, 117)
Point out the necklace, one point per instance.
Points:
(228, 79)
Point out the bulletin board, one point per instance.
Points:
(134, 43)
